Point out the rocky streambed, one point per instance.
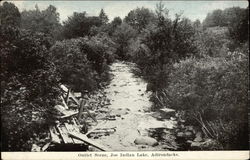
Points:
(126, 119)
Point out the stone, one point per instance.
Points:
(35, 148)
(196, 145)
(198, 137)
(188, 134)
(103, 110)
(144, 140)
(120, 111)
(189, 128)
(180, 134)
(172, 118)
(127, 109)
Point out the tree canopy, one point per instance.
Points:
(139, 18)
(45, 21)
(79, 25)
(9, 14)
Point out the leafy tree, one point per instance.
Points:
(116, 21)
(239, 25)
(169, 40)
(216, 18)
(103, 17)
(9, 14)
(123, 34)
(110, 27)
(79, 25)
(139, 18)
(224, 18)
(45, 21)
(197, 24)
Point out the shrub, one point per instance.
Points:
(28, 87)
(122, 36)
(213, 92)
(213, 41)
(82, 62)
(72, 64)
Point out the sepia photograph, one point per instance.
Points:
(135, 79)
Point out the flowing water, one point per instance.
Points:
(130, 113)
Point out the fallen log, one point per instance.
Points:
(85, 139)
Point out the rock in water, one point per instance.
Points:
(188, 134)
(180, 134)
(144, 140)
(198, 137)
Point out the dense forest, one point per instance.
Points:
(197, 68)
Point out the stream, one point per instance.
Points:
(131, 116)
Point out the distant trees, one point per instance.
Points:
(9, 15)
(103, 17)
(45, 21)
(198, 68)
(122, 35)
(216, 18)
(139, 18)
(116, 21)
(239, 25)
(235, 19)
(79, 25)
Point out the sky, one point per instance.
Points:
(190, 9)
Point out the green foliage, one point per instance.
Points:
(9, 14)
(45, 21)
(26, 107)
